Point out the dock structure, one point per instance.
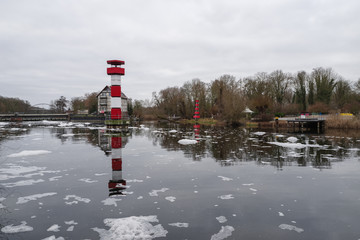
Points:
(306, 124)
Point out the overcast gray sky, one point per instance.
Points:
(60, 47)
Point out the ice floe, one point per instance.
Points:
(26, 153)
(87, 180)
(170, 198)
(259, 133)
(292, 139)
(14, 171)
(77, 199)
(53, 237)
(111, 201)
(17, 229)
(226, 197)
(180, 225)
(131, 228)
(293, 145)
(54, 228)
(23, 183)
(291, 228)
(56, 178)
(187, 141)
(224, 233)
(221, 219)
(22, 200)
(225, 178)
(154, 193)
(281, 214)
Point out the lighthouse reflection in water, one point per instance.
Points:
(117, 184)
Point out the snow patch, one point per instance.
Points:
(131, 228)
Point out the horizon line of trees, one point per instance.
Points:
(267, 94)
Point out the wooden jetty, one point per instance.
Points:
(306, 124)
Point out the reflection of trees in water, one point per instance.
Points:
(228, 146)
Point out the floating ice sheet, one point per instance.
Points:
(226, 197)
(26, 153)
(180, 225)
(22, 200)
(187, 141)
(17, 229)
(131, 228)
(225, 178)
(291, 228)
(224, 233)
(221, 219)
(154, 193)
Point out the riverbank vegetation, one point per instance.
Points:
(267, 94)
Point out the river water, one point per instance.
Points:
(77, 181)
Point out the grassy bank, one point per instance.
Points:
(202, 121)
(342, 122)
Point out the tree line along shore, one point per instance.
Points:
(223, 100)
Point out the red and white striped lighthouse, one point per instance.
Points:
(117, 184)
(115, 71)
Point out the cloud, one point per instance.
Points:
(53, 48)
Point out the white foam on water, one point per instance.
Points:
(221, 219)
(54, 228)
(17, 229)
(226, 197)
(170, 198)
(179, 224)
(23, 183)
(22, 200)
(225, 178)
(225, 232)
(187, 141)
(154, 193)
(131, 228)
(26, 153)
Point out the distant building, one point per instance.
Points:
(104, 102)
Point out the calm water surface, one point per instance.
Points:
(72, 181)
